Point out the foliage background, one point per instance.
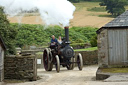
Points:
(40, 35)
(115, 7)
(8, 33)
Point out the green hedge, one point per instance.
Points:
(40, 35)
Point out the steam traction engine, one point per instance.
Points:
(61, 55)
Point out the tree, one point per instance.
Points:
(115, 7)
(7, 33)
(92, 0)
(74, 1)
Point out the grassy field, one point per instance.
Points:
(85, 5)
(87, 49)
(89, 5)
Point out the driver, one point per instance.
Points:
(54, 40)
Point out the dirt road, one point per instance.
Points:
(72, 77)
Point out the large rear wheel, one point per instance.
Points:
(50, 60)
(46, 61)
(57, 64)
(80, 61)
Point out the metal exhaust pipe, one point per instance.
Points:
(66, 34)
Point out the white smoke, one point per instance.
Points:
(53, 12)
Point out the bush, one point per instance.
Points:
(74, 1)
(92, 0)
(78, 45)
(87, 32)
(97, 9)
(93, 41)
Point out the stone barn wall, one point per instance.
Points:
(102, 43)
(20, 67)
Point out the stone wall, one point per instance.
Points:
(103, 49)
(89, 57)
(20, 67)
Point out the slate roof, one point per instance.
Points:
(119, 22)
(2, 42)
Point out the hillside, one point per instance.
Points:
(82, 17)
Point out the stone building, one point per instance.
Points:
(2, 50)
(113, 42)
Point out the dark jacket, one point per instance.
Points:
(55, 40)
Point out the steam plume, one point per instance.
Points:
(53, 12)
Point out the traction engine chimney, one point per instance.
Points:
(67, 35)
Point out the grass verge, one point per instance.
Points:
(87, 49)
(115, 70)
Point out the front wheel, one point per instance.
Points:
(80, 61)
(57, 65)
(71, 65)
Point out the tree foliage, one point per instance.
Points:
(92, 0)
(115, 7)
(7, 33)
(74, 1)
